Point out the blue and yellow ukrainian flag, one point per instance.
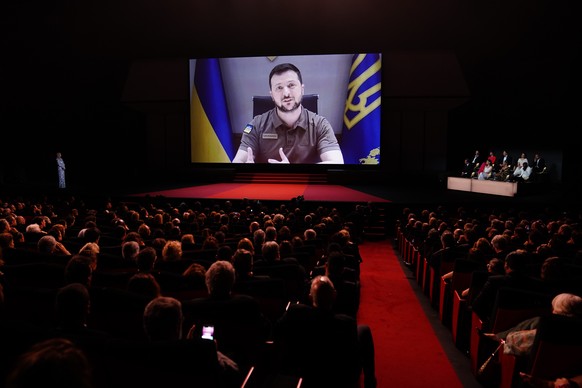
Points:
(211, 134)
(361, 129)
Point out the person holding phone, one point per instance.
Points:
(288, 133)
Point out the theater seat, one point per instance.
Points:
(557, 352)
(512, 306)
(462, 273)
(144, 364)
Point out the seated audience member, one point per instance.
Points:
(446, 253)
(520, 338)
(194, 277)
(240, 326)
(243, 265)
(521, 160)
(224, 252)
(574, 381)
(49, 245)
(494, 267)
(56, 362)
(271, 254)
(500, 245)
(347, 299)
(506, 159)
(58, 232)
(146, 260)
(6, 241)
(258, 239)
(491, 159)
(309, 236)
(247, 244)
(4, 226)
(163, 320)
(476, 160)
(91, 250)
(145, 232)
(325, 348)
(538, 164)
(79, 269)
(133, 236)
(144, 284)
(521, 174)
(172, 251)
(467, 169)
(71, 312)
(487, 171)
(516, 276)
(188, 242)
(129, 250)
(158, 243)
(503, 171)
(90, 234)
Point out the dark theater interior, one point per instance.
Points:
(111, 86)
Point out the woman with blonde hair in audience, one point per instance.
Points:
(519, 339)
(91, 250)
(247, 244)
(172, 251)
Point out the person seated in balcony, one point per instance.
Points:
(539, 167)
(521, 174)
(505, 169)
(487, 171)
(492, 159)
(539, 163)
(521, 160)
(506, 158)
(467, 169)
(476, 160)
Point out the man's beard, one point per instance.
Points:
(282, 108)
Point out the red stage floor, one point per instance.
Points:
(268, 191)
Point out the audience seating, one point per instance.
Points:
(271, 293)
(292, 274)
(35, 274)
(512, 306)
(461, 279)
(435, 278)
(461, 311)
(132, 363)
(117, 311)
(31, 304)
(556, 352)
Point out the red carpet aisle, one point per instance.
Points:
(408, 353)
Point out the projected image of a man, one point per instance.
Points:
(288, 133)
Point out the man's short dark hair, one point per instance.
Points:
(517, 260)
(282, 68)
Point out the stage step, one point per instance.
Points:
(261, 177)
(376, 226)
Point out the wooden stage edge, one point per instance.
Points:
(507, 189)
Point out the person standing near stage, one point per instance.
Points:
(61, 170)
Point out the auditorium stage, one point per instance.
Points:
(269, 191)
(403, 193)
(395, 192)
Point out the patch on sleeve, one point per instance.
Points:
(248, 128)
